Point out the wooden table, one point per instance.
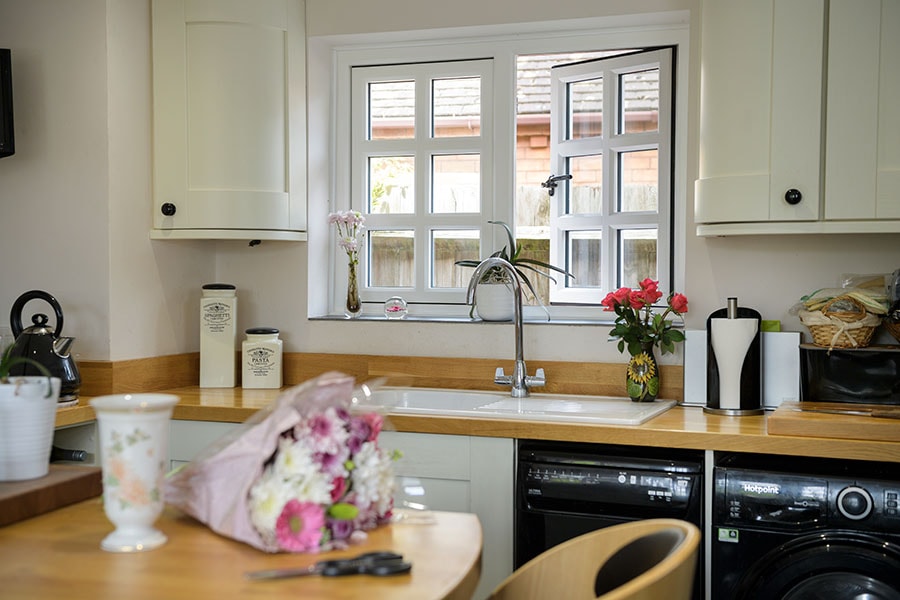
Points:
(58, 555)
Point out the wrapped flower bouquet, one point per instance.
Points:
(302, 475)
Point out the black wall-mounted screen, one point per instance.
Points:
(7, 136)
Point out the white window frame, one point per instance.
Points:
(422, 147)
(610, 145)
(501, 44)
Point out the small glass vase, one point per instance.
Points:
(353, 306)
(642, 375)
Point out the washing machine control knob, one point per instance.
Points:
(854, 503)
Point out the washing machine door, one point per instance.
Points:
(837, 565)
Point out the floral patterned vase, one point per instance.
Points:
(353, 306)
(134, 434)
(642, 375)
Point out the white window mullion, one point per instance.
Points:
(423, 147)
(612, 145)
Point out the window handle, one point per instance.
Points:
(551, 182)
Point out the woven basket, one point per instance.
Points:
(833, 328)
(893, 329)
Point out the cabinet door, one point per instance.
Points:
(461, 473)
(229, 118)
(760, 110)
(188, 438)
(862, 159)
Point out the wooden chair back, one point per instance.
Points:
(652, 559)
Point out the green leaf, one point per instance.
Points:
(653, 386)
(633, 388)
(343, 511)
(676, 335)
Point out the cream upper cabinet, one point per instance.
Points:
(229, 110)
(797, 130)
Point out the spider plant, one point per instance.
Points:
(8, 361)
(521, 265)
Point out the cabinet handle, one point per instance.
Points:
(168, 209)
(793, 196)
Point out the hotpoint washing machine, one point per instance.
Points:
(805, 528)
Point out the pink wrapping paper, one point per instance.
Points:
(214, 487)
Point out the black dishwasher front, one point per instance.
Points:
(566, 489)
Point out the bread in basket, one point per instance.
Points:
(842, 322)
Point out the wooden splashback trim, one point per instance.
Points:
(179, 370)
(139, 375)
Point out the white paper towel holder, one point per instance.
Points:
(741, 396)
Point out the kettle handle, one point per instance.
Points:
(15, 314)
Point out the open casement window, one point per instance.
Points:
(610, 129)
(421, 173)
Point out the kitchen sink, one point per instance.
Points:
(498, 405)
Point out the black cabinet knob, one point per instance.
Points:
(793, 196)
(168, 209)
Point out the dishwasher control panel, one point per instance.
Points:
(602, 483)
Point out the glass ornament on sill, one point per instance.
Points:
(395, 308)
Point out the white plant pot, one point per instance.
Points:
(495, 301)
(27, 421)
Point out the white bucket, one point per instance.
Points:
(27, 421)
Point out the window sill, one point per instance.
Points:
(371, 318)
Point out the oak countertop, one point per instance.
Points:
(58, 555)
(679, 427)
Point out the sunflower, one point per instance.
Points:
(641, 368)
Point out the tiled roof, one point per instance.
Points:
(532, 95)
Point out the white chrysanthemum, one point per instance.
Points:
(267, 499)
(294, 460)
(314, 486)
(299, 472)
(373, 478)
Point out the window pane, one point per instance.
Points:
(585, 99)
(392, 110)
(637, 256)
(586, 184)
(391, 258)
(640, 101)
(447, 247)
(457, 107)
(584, 258)
(456, 183)
(536, 247)
(391, 184)
(638, 181)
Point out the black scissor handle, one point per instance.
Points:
(370, 563)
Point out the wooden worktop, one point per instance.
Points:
(58, 555)
(679, 427)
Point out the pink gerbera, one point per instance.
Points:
(299, 526)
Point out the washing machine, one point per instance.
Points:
(794, 528)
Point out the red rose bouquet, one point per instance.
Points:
(637, 324)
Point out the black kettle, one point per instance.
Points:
(44, 345)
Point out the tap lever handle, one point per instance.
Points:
(537, 379)
(500, 378)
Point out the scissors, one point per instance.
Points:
(371, 563)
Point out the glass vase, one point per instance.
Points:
(642, 375)
(353, 306)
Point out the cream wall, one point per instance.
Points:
(76, 195)
(76, 201)
(54, 190)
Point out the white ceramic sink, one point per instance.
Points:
(497, 405)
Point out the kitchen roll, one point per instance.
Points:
(731, 338)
